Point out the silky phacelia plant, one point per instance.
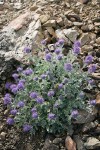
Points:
(48, 94)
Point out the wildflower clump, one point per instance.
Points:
(49, 95)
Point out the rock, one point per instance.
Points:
(88, 126)
(79, 142)
(60, 35)
(98, 40)
(44, 18)
(70, 144)
(85, 28)
(84, 1)
(1, 2)
(2, 135)
(57, 140)
(37, 25)
(50, 23)
(18, 6)
(85, 117)
(85, 38)
(71, 34)
(20, 21)
(78, 24)
(33, 7)
(98, 99)
(60, 21)
(87, 48)
(92, 143)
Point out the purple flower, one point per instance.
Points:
(93, 102)
(33, 95)
(74, 114)
(20, 104)
(35, 78)
(13, 86)
(92, 68)
(13, 112)
(15, 76)
(22, 81)
(48, 57)
(76, 48)
(27, 128)
(88, 59)
(33, 110)
(7, 85)
(51, 93)
(35, 115)
(59, 57)
(20, 86)
(10, 121)
(91, 82)
(81, 95)
(68, 67)
(43, 76)
(27, 49)
(51, 116)
(7, 99)
(44, 42)
(19, 69)
(28, 71)
(14, 90)
(57, 51)
(77, 44)
(60, 86)
(61, 41)
(40, 100)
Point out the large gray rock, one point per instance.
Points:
(92, 143)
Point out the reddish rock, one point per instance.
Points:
(20, 21)
(70, 144)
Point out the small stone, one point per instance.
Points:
(98, 40)
(60, 21)
(18, 6)
(98, 99)
(71, 34)
(60, 35)
(70, 144)
(85, 28)
(79, 142)
(3, 135)
(87, 48)
(44, 18)
(84, 1)
(34, 7)
(37, 25)
(50, 23)
(92, 143)
(85, 38)
(78, 24)
(57, 140)
(6, 112)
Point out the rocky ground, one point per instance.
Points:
(27, 22)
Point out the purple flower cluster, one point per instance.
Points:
(88, 59)
(7, 99)
(14, 88)
(33, 95)
(76, 48)
(20, 85)
(35, 115)
(10, 121)
(13, 112)
(51, 116)
(59, 57)
(15, 76)
(27, 128)
(19, 69)
(48, 57)
(74, 114)
(68, 67)
(57, 51)
(92, 68)
(7, 85)
(51, 93)
(44, 42)
(39, 100)
(60, 42)
(93, 102)
(35, 78)
(20, 104)
(43, 76)
(27, 49)
(28, 72)
(81, 95)
(60, 86)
